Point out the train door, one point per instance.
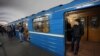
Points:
(90, 18)
(91, 21)
(94, 28)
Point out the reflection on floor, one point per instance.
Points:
(16, 48)
(86, 49)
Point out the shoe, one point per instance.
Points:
(75, 54)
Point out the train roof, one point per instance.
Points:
(64, 6)
(75, 3)
(41, 13)
(71, 4)
(20, 20)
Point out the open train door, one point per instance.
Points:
(90, 18)
(91, 22)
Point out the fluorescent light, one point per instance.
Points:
(48, 14)
(3, 23)
(83, 5)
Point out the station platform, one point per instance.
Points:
(13, 47)
(16, 48)
(87, 48)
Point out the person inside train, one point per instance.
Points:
(77, 31)
(67, 31)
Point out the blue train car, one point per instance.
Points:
(47, 28)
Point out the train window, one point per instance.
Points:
(40, 24)
(82, 19)
(94, 22)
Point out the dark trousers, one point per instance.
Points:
(75, 44)
(10, 34)
(1, 33)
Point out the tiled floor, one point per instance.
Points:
(87, 49)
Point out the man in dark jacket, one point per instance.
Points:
(77, 32)
(1, 29)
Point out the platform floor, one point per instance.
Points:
(86, 49)
(15, 48)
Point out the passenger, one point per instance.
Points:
(4, 30)
(1, 29)
(0, 37)
(68, 31)
(13, 31)
(25, 32)
(1, 43)
(45, 26)
(9, 32)
(21, 30)
(77, 32)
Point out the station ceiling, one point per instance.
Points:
(11, 10)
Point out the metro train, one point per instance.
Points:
(47, 29)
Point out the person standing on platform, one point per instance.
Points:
(21, 30)
(9, 32)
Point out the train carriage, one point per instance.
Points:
(47, 28)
